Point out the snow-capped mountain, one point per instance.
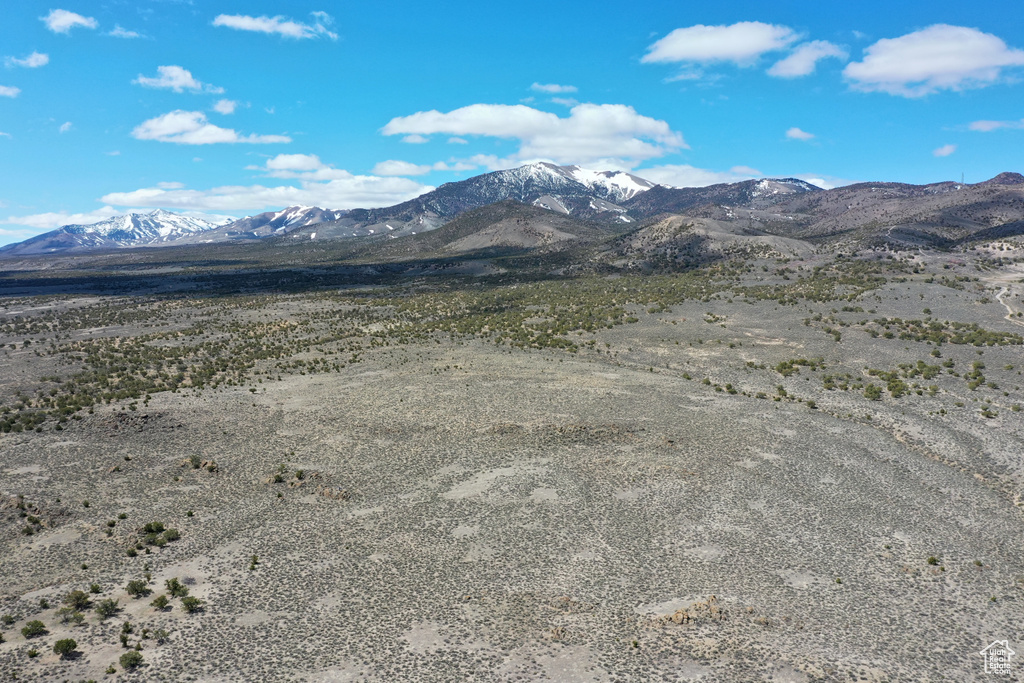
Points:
(128, 230)
(571, 190)
(270, 223)
(616, 186)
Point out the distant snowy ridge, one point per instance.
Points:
(129, 230)
(155, 226)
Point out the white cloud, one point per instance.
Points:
(415, 139)
(62, 21)
(175, 78)
(393, 168)
(347, 191)
(192, 128)
(114, 153)
(51, 220)
(684, 175)
(9, 91)
(795, 133)
(119, 32)
(944, 151)
(612, 134)
(65, 127)
(287, 28)
(33, 61)
(406, 168)
(565, 101)
(316, 184)
(225, 107)
(741, 43)
(552, 88)
(940, 57)
(826, 182)
(989, 126)
(458, 141)
(4, 135)
(805, 59)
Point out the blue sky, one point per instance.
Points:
(232, 108)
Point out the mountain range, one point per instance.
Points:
(937, 215)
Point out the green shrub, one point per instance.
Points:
(131, 660)
(78, 600)
(191, 604)
(138, 588)
(70, 615)
(34, 628)
(161, 602)
(65, 647)
(107, 608)
(176, 588)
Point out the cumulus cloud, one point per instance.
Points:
(741, 43)
(684, 175)
(279, 25)
(344, 191)
(33, 61)
(9, 91)
(192, 128)
(51, 220)
(225, 107)
(944, 151)
(415, 139)
(392, 167)
(805, 59)
(65, 127)
(613, 134)
(175, 78)
(395, 168)
(552, 88)
(940, 57)
(62, 21)
(795, 133)
(989, 126)
(458, 141)
(119, 32)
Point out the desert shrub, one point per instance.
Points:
(172, 535)
(161, 602)
(78, 600)
(34, 628)
(107, 608)
(65, 647)
(70, 615)
(176, 588)
(191, 604)
(137, 588)
(8, 619)
(130, 660)
(153, 527)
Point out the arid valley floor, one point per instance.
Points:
(804, 469)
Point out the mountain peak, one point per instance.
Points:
(1005, 178)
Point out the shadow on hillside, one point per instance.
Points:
(213, 278)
